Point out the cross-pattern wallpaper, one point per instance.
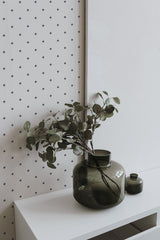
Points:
(41, 68)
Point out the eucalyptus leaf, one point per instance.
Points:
(68, 105)
(64, 124)
(79, 108)
(37, 146)
(27, 126)
(51, 165)
(90, 119)
(82, 126)
(51, 131)
(106, 93)
(60, 133)
(29, 146)
(77, 150)
(54, 114)
(68, 112)
(62, 145)
(70, 140)
(49, 149)
(76, 104)
(87, 135)
(103, 116)
(116, 100)
(86, 107)
(89, 126)
(43, 156)
(46, 145)
(41, 125)
(97, 108)
(109, 115)
(72, 128)
(40, 155)
(99, 94)
(109, 109)
(54, 138)
(31, 140)
(49, 156)
(107, 101)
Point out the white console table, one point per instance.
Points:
(57, 216)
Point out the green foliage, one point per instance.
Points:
(117, 100)
(41, 125)
(51, 165)
(106, 93)
(97, 108)
(27, 126)
(71, 132)
(77, 150)
(54, 138)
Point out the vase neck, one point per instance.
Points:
(101, 158)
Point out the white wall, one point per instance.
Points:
(41, 68)
(123, 59)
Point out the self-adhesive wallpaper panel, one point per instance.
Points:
(41, 68)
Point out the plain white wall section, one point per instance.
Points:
(123, 58)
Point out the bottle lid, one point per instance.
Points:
(134, 184)
(134, 176)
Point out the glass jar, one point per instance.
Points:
(134, 184)
(99, 182)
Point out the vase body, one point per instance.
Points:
(99, 182)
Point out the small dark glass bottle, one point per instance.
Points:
(134, 184)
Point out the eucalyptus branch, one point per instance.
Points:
(85, 145)
(72, 130)
(91, 143)
(59, 149)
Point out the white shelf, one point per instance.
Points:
(58, 216)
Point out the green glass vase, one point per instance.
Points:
(99, 182)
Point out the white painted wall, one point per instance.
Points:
(41, 68)
(123, 58)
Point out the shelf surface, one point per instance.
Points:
(57, 215)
